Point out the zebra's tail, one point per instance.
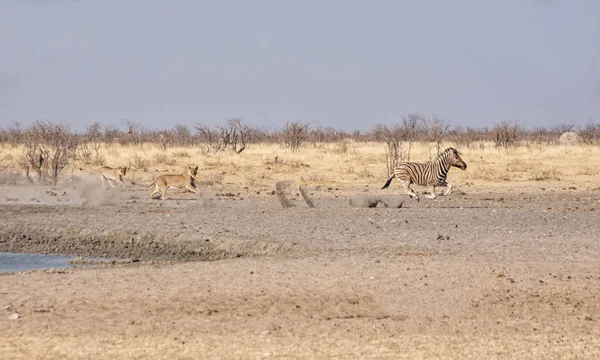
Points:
(388, 182)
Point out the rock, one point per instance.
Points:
(14, 316)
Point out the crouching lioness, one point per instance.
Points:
(164, 182)
(112, 175)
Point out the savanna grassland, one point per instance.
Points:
(504, 267)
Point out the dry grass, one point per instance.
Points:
(339, 164)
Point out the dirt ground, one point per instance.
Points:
(488, 272)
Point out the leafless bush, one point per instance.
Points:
(90, 145)
(163, 138)
(48, 150)
(231, 136)
(255, 135)
(326, 135)
(561, 128)
(163, 159)
(392, 137)
(13, 135)
(111, 134)
(464, 137)
(411, 130)
(139, 162)
(507, 134)
(94, 137)
(133, 133)
(590, 133)
(234, 135)
(182, 135)
(294, 134)
(541, 135)
(210, 138)
(435, 129)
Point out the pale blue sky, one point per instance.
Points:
(350, 64)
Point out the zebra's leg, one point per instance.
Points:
(432, 195)
(448, 190)
(407, 190)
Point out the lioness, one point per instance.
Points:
(164, 182)
(111, 175)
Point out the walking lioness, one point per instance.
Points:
(111, 175)
(164, 182)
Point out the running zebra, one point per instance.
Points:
(431, 174)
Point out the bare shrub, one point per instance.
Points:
(541, 135)
(255, 135)
(392, 137)
(294, 134)
(231, 136)
(466, 137)
(182, 135)
(544, 174)
(133, 133)
(14, 134)
(89, 148)
(164, 139)
(562, 128)
(234, 135)
(435, 129)
(139, 162)
(210, 138)
(48, 150)
(590, 133)
(93, 137)
(326, 135)
(111, 134)
(412, 130)
(507, 134)
(341, 147)
(164, 159)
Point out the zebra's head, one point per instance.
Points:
(454, 159)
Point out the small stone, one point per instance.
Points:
(14, 316)
(266, 332)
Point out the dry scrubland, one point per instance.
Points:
(334, 164)
(505, 267)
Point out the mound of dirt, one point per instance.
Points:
(570, 138)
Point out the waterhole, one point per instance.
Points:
(14, 262)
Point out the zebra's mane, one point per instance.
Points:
(443, 154)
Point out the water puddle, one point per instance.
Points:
(13, 262)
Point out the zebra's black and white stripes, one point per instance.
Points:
(430, 174)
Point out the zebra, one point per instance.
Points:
(431, 174)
